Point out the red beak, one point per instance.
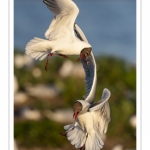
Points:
(81, 56)
(75, 115)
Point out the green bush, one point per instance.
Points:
(113, 73)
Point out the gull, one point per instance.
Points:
(91, 119)
(60, 36)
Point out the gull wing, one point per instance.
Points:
(65, 12)
(90, 69)
(78, 137)
(101, 112)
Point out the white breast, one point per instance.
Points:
(86, 121)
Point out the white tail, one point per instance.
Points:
(38, 48)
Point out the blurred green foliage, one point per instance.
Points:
(113, 73)
(40, 133)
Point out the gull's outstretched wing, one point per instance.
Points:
(101, 112)
(65, 12)
(90, 69)
(78, 136)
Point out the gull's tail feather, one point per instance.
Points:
(38, 48)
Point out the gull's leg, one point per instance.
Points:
(64, 56)
(65, 133)
(82, 148)
(52, 54)
(46, 65)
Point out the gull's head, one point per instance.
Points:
(80, 106)
(85, 52)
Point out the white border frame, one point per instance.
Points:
(145, 75)
(6, 77)
(138, 75)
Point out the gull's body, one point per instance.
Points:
(60, 36)
(91, 119)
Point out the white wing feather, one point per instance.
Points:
(90, 70)
(65, 12)
(77, 136)
(101, 110)
(94, 142)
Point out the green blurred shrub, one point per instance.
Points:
(113, 73)
(43, 133)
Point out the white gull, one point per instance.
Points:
(91, 119)
(60, 37)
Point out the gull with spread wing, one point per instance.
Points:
(91, 119)
(60, 37)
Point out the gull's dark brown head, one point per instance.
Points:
(85, 53)
(77, 107)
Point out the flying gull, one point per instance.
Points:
(91, 119)
(60, 36)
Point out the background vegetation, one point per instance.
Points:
(113, 73)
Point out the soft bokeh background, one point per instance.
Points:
(43, 100)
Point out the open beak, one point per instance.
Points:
(75, 115)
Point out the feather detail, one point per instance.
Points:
(105, 96)
(38, 48)
(77, 136)
(90, 69)
(94, 142)
(65, 14)
(101, 110)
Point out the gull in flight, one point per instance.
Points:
(91, 119)
(60, 36)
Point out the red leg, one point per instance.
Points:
(82, 148)
(46, 65)
(51, 54)
(65, 133)
(64, 56)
